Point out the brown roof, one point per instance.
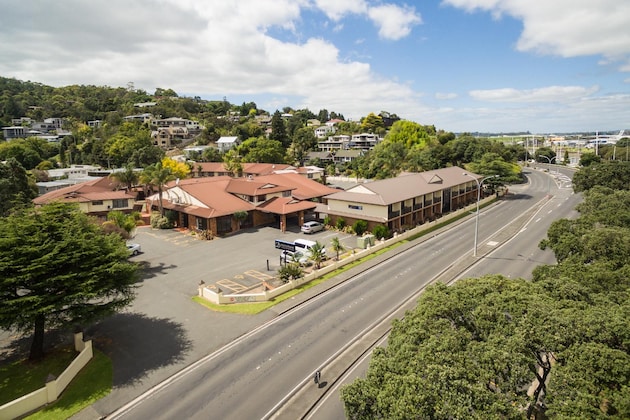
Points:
(248, 168)
(252, 186)
(304, 188)
(405, 186)
(103, 188)
(285, 205)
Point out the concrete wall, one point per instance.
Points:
(54, 388)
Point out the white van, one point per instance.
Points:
(305, 246)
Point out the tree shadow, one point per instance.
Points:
(517, 196)
(147, 271)
(138, 344)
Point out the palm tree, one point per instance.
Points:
(157, 176)
(128, 176)
(317, 254)
(337, 246)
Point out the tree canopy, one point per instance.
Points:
(493, 347)
(59, 268)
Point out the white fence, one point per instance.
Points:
(53, 389)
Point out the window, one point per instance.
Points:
(224, 224)
(202, 224)
(355, 207)
(119, 204)
(286, 193)
(97, 203)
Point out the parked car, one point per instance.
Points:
(134, 249)
(294, 256)
(312, 227)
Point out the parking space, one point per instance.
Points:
(235, 264)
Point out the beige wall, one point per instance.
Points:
(367, 210)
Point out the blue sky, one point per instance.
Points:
(462, 65)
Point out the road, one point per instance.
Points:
(248, 377)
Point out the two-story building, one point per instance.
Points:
(96, 197)
(404, 201)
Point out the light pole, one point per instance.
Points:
(557, 171)
(478, 198)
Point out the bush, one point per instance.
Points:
(290, 271)
(341, 223)
(327, 221)
(381, 232)
(360, 227)
(159, 222)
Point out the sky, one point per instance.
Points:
(543, 66)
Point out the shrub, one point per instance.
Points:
(381, 232)
(327, 221)
(341, 223)
(290, 271)
(360, 227)
(159, 222)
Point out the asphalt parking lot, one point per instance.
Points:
(234, 264)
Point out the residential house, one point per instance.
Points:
(364, 141)
(331, 143)
(96, 197)
(404, 201)
(226, 143)
(345, 156)
(324, 131)
(169, 137)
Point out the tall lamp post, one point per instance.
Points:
(557, 171)
(478, 198)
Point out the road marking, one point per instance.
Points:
(537, 220)
(236, 287)
(258, 275)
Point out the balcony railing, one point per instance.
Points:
(393, 214)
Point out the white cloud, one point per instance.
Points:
(445, 95)
(336, 9)
(394, 22)
(567, 28)
(545, 94)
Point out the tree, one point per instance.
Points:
(180, 170)
(261, 150)
(278, 129)
(337, 246)
(156, 175)
(58, 268)
(128, 177)
(240, 216)
(613, 174)
(410, 134)
(15, 188)
(303, 140)
(372, 123)
(317, 254)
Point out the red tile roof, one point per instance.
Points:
(103, 188)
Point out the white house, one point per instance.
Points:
(226, 143)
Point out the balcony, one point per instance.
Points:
(393, 214)
(406, 210)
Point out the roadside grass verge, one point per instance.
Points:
(92, 383)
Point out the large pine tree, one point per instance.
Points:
(58, 268)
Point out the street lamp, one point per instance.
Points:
(478, 198)
(557, 172)
(549, 160)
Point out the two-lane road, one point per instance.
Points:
(248, 377)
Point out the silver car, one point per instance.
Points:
(312, 227)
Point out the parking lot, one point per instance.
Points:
(235, 264)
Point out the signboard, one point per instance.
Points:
(285, 245)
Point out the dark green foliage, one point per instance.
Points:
(473, 349)
(58, 268)
(290, 271)
(381, 232)
(612, 174)
(15, 189)
(341, 223)
(360, 227)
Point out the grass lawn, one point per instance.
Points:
(92, 383)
